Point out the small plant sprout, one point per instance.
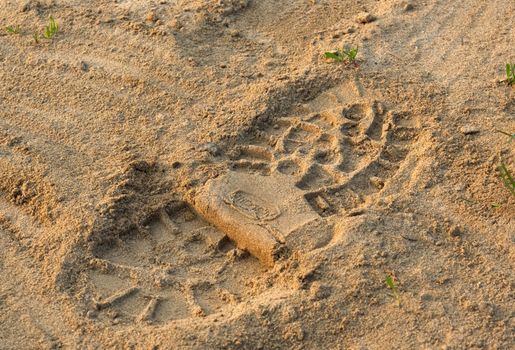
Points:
(345, 54)
(507, 178)
(35, 36)
(505, 175)
(390, 282)
(351, 54)
(51, 29)
(510, 73)
(13, 29)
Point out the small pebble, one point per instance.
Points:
(209, 147)
(175, 24)
(151, 17)
(91, 314)
(356, 212)
(234, 33)
(235, 254)
(425, 297)
(84, 66)
(377, 182)
(322, 203)
(469, 130)
(28, 5)
(364, 17)
(454, 231)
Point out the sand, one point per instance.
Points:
(196, 174)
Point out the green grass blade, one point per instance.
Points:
(511, 136)
(510, 73)
(13, 29)
(352, 53)
(390, 283)
(507, 178)
(333, 55)
(51, 29)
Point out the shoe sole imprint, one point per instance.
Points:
(284, 184)
(303, 169)
(176, 267)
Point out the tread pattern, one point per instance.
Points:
(175, 267)
(340, 157)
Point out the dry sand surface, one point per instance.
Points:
(195, 174)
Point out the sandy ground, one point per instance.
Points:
(195, 174)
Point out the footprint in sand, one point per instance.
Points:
(332, 155)
(177, 267)
(338, 157)
(284, 184)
